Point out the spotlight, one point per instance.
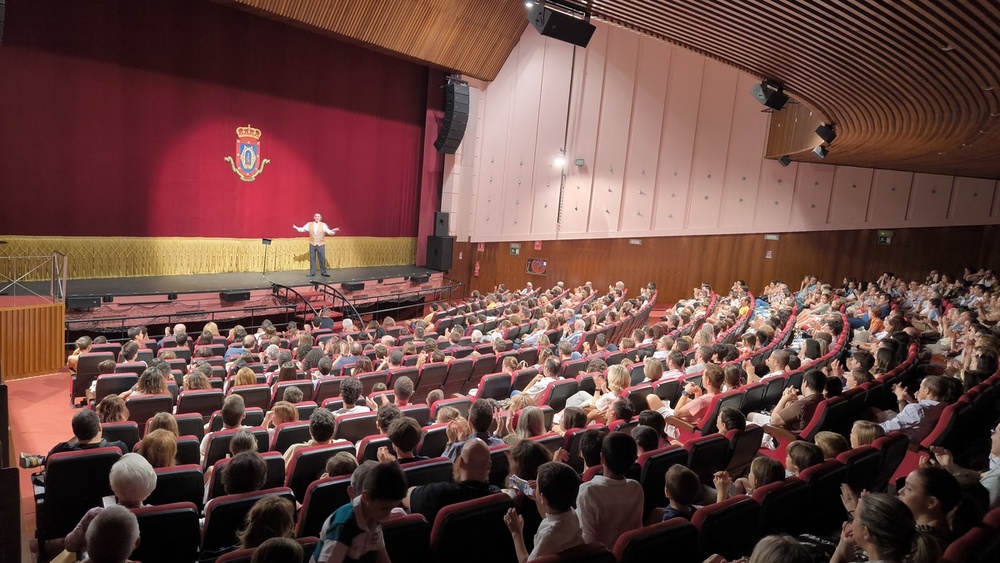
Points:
(826, 133)
(785, 160)
(560, 160)
(529, 4)
(820, 151)
(771, 95)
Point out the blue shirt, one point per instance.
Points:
(346, 526)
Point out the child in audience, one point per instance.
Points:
(278, 550)
(864, 432)
(801, 455)
(341, 463)
(281, 413)
(681, 487)
(832, 444)
(404, 434)
(83, 346)
(354, 532)
(646, 438)
(112, 409)
(607, 504)
(163, 420)
(557, 487)
(159, 447)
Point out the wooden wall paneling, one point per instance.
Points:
(711, 143)
(551, 130)
(613, 132)
(645, 134)
(851, 193)
(811, 202)
(680, 123)
(971, 200)
(521, 142)
(746, 146)
(889, 198)
(588, 88)
(774, 194)
(929, 199)
(31, 339)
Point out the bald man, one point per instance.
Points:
(473, 471)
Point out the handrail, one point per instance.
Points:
(276, 286)
(336, 294)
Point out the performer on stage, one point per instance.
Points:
(317, 243)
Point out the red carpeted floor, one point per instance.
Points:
(40, 415)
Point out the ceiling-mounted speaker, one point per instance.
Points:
(826, 133)
(820, 151)
(785, 160)
(561, 26)
(770, 95)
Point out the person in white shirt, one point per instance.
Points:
(776, 364)
(916, 419)
(350, 392)
(609, 505)
(317, 243)
(557, 487)
(549, 373)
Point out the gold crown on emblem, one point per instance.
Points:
(248, 131)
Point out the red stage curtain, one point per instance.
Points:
(115, 118)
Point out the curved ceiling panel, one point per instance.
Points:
(909, 85)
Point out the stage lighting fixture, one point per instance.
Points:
(171, 296)
(108, 298)
(826, 133)
(785, 160)
(560, 160)
(820, 151)
(771, 95)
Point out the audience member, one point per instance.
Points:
(831, 443)
(557, 489)
(112, 409)
(321, 427)
(473, 470)
(159, 447)
(245, 472)
(916, 418)
(481, 415)
(278, 550)
(233, 412)
(112, 536)
(404, 434)
(681, 487)
(607, 504)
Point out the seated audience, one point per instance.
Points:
(864, 432)
(607, 504)
(990, 479)
(353, 532)
(350, 393)
(831, 443)
(245, 473)
(112, 536)
(530, 423)
(681, 487)
(278, 550)
(774, 549)
(281, 413)
(404, 434)
(87, 431)
(340, 463)
(793, 411)
(801, 455)
(883, 527)
(112, 409)
(233, 412)
(480, 418)
(159, 447)
(916, 418)
(557, 489)
(83, 346)
(321, 427)
(471, 482)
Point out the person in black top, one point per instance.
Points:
(473, 467)
(87, 435)
(404, 433)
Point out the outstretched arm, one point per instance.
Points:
(330, 231)
(299, 229)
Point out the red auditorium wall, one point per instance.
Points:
(116, 117)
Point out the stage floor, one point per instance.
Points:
(204, 283)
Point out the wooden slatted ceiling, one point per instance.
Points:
(912, 85)
(473, 37)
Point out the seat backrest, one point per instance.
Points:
(253, 395)
(669, 390)
(114, 384)
(892, 449)
(826, 509)
(289, 433)
(429, 377)
(464, 527)
(457, 380)
(353, 427)
(676, 536)
(275, 474)
(772, 391)
(573, 368)
(461, 403)
(499, 465)
(428, 471)
(723, 527)
(127, 432)
(551, 440)
(556, 393)
(434, 440)
(522, 377)
(653, 466)
(368, 380)
(586, 553)
(309, 463)
(394, 375)
(783, 506)
(743, 447)
(188, 450)
(75, 482)
(217, 446)
(190, 425)
(369, 445)
(862, 467)
(144, 407)
(279, 390)
(201, 401)
(180, 483)
(420, 413)
(753, 396)
(327, 388)
(169, 532)
(225, 515)
(135, 368)
(494, 386)
(322, 497)
(636, 373)
(706, 455)
(407, 538)
(637, 395)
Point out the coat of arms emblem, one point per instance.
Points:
(248, 163)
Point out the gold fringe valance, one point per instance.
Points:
(123, 257)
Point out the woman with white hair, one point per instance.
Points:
(132, 480)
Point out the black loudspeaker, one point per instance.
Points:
(440, 224)
(456, 117)
(234, 295)
(785, 160)
(353, 286)
(558, 25)
(826, 133)
(420, 279)
(83, 302)
(439, 250)
(769, 95)
(3, 9)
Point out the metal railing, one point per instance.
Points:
(17, 269)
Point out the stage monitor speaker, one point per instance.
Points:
(83, 302)
(558, 25)
(420, 279)
(234, 295)
(456, 118)
(353, 286)
(440, 224)
(439, 250)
